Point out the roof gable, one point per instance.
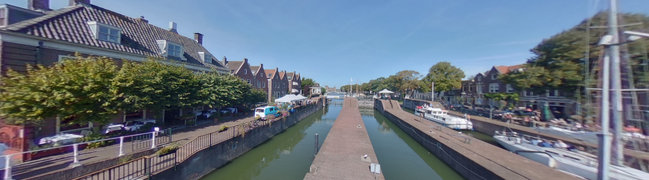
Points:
(70, 24)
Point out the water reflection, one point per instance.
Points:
(286, 156)
(401, 157)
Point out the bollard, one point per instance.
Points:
(121, 146)
(316, 144)
(75, 162)
(152, 139)
(7, 167)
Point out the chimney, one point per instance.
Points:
(225, 60)
(75, 2)
(43, 5)
(198, 37)
(245, 60)
(172, 27)
(261, 67)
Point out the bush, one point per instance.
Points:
(223, 128)
(168, 149)
(94, 137)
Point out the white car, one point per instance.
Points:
(228, 110)
(137, 124)
(113, 127)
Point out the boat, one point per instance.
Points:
(562, 157)
(440, 116)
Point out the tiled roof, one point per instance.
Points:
(70, 24)
(507, 69)
(234, 65)
(271, 72)
(255, 69)
(282, 74)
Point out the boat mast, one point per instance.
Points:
(612, 54)
(618, 158)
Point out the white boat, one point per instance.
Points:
(571, 161)
(441, 117)
(587, 136)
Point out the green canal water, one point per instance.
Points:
(288, 155)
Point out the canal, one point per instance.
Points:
(288, 155)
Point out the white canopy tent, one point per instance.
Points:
(287, 98)
(385, 91)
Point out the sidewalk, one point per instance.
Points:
(59, 162)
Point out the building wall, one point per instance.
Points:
(245, 73)
(260, 81)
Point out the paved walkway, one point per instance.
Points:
(49, 164)
(494, 159)
(342, 153)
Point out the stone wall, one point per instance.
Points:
(207, 160)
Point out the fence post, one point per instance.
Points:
(121, 146)
(7, 167)
(210, 139)
(75, 162)
(155, 131)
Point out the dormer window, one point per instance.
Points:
(104, 32)
(205, 57)
(171, 49)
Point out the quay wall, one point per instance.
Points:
(471, 158)
(633, 158)
(216, 156)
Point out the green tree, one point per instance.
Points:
(78, 89)
(156, 86)
(446, 77)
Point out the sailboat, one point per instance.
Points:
(559, 155)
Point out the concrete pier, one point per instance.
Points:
(470, 157)
(347, 152)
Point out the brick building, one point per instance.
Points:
(274, 84)
(39, 35)
(240, 69)
(294, 82)
(260, 81)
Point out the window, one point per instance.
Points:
(245, 71)
(479, 88)
(105, 32)
(205, 57)
(493, 87)
(171, 50)
(269, 75)
(509, 88)
(479, 78)
(553, 93)
(494, 76)
(248, 81)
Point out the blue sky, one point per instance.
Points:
(334, 40)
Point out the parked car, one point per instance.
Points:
(266, 111)
(205, 114)
(113, 128)
(137, 124)
(229, 111)
(524, 113)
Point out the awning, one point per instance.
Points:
(385, 91)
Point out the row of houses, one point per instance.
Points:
(38, 34)
(473, 90)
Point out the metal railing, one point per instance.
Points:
(71, 153)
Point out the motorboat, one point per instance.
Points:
(562, 157)
(441, 117)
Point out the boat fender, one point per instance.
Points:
(553, 163)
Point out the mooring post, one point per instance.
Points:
(7, 167)
(316, 144)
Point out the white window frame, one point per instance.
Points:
(96, 26)
(61, 57)
(494, 76)
(509, 88)
(206, 57)
(164, 47)
(494, 87)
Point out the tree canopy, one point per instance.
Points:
(446, 77)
